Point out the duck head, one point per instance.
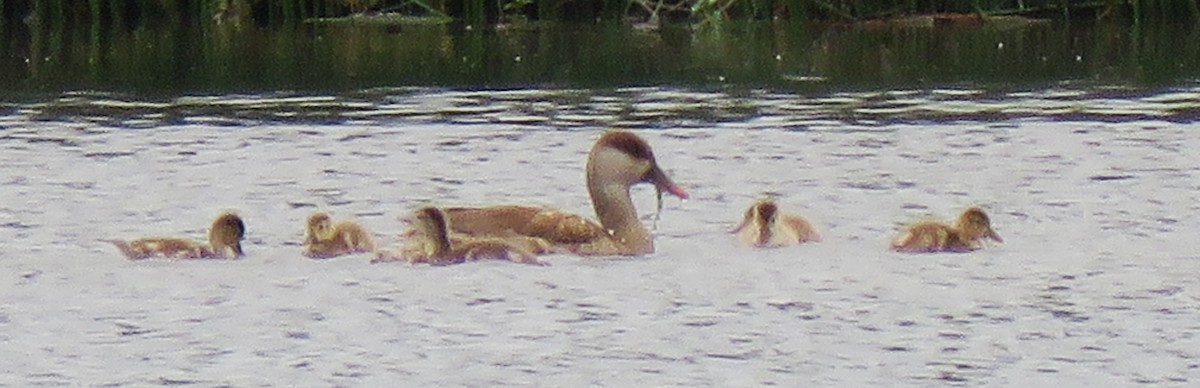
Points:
(226, 234)
(975, 224)
(622, 159)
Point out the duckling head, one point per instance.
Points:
(430, 222)
(975, 224)
(226, 234)
(764, 212)
(320, 225)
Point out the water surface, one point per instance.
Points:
(1094, 191)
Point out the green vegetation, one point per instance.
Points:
(183, 46)
(276, 12)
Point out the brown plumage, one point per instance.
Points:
(931, 236)
(224, 242)
(764, 226)
(617, 161)
(324, 238)
(431, 242)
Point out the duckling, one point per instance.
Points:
(224, 242)
(324, 238)
(429, 241)
(930, 236)
(763, 226)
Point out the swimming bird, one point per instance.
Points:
(764, 226)
(617, 161)
(431, 242)
(224, 242)
(931, 236)
(324, 238)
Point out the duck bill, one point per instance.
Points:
(663, 183)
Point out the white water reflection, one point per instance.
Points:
(1095, 284)
(626, 108)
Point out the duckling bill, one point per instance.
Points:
(224, 242)
(966, 235)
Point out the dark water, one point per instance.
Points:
(170, 58)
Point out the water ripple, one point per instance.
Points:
(625, 108)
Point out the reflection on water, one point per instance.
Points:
(171, 59)
(619, 108)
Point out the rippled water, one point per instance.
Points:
(1095, 193)
(630, 108)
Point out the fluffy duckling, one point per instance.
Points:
(324, 239)
(764, 226)
(930, 236)
(430, 242)
(224, 242)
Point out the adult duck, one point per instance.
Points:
(617, 161)
(224, 242)
(764, 226)
(930, 236)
